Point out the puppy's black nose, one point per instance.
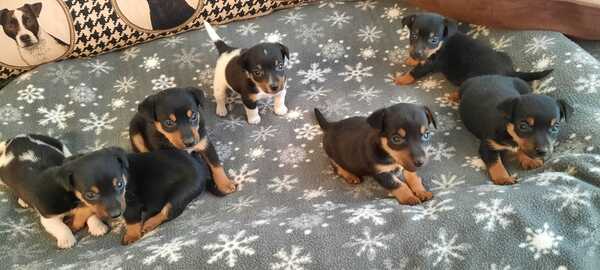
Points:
(419, 162)
(274, 87)
(25, 38)
(541, 152)
(115, 213)
(189, 142)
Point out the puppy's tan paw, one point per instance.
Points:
(504, 180)
(411, 61)
(424, 195)
(129, 239)
(227, 186)
(528, 163)
(405, 79)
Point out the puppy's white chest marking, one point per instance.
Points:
(221, 66)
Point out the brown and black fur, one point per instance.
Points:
(379, 146)
(507, 117)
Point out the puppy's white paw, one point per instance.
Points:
(65, 241)
(281, 110)
(254, 119)
(22, 203)
(96, 227)
(221, 110)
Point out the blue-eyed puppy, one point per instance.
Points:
(389, 145)
(507, 117)
(255, 73)
(172, 119)
(83, 188)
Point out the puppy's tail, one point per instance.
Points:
(321, 120)
(531, 76)
(216, 39)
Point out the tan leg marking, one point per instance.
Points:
(528, 163)
(348, 176)
(224, 184)
(416, 185)
(80, 217)
(153, 222)
(133, 232)
(404, 195)
(411, 61)
(404, 79)
(454, 96)
(499, 174)
(139, 143)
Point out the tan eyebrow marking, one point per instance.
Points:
(423, 129)
(402, 132)
(172, 117)
(553, 121)
(531, 121)
(189, 113)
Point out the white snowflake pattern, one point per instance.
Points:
(368, 53)
(338, 106)
(478, 30)
(171, 251)
(547, 178)
(151, 62)
(369, 244)
(333, 50)
(62, 73)
(395, 56)
(233, 122)
(365, 5)
(357, 72)
(98, 68)
(442, 150)
(392, 13)
(369, 33)
(446, 183)
(544, 62)
(30, 94)
(187, 58)
(82, 94)
(365, 93)
(589, 84)
(118, 103)
(130, 54)
(285, 183)
(541, 241)
(544, 86)
(581, 58)
(313, 74)
(163, 82)
(293, 155)
(17, 228)
(429, 84)
(429, 210)
(292, 18)
(125, 84)
(572, 198)
(295, 114)
(25, 76)
(309, 33)
(445, 101)
(538, 44)
(338, 19)
(304, 223)
(173, 41)
(310, 194)
(327, 206)
(228, 247)
(243, 176)
(263, 133)
(204, 76)
(492, 214)
(474, 162)
(256, 153)
(314, 93)
(57, 116)
(241, 203)
(307, 131)
(403, 99)
(293, 60)
(98, 123)
(367, 213)
(291, 261)
(403, 33)
(247, 29)
(502, 43)
(274, 37)
(445, 249)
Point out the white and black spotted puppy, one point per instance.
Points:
(255, 73)
(69, 192)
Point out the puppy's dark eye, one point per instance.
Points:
(555, 129)
(257, 72)
(397, 139)
(434, 40)
(91, 196)
(194, 116)
(524, 126)
(426, 136)
(414, 36)
(280, 66)
(120, 185)
(169, 123)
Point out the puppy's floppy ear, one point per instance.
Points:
(147, 107)
(3, 16)
(409, 20)
(244, 60)
(565, 109)
(35, 8)
(121, 156)
(430, 117)
(64, 176)
(284, 51)
(197, 94)
(376, 119)
(450, 27)
(507, 107)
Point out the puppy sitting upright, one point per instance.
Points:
(255, 73)
(389, 140)
(504, 114)
(437, 46)
(85, 188)
(172, 119)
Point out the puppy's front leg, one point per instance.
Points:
(58, 229)
(399, 189)
(133, 220)
(209, 154)
(416, 185)
(495, 167)
(416, 73)
(95, 226)
(279, 104)
(251, 110)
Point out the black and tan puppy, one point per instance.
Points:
(255, 73)
(507, 117)
(381, 145)
(172, 119)
(84, 188)
(437, 46)
(161, 184)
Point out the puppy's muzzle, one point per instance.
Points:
(26, 40)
